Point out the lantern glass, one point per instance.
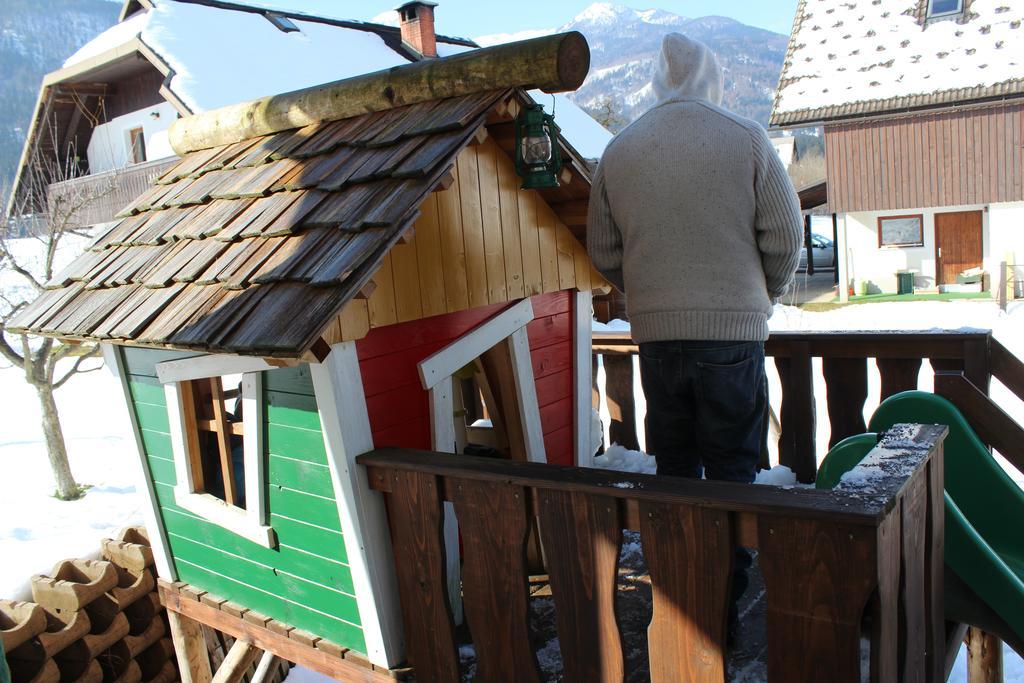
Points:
(537, 156)
(536, 148)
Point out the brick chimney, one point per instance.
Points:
(417, 24)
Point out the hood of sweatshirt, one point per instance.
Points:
(687, 69)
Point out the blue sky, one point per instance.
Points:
(478, 17)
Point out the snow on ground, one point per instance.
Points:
(36, 529)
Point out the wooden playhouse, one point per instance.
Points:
(325, 272)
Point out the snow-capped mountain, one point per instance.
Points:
(624, 44)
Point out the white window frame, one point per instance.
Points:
(249, 523)
(436, 374)
(930, 14)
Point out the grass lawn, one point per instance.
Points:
(951, 296)
(885, 298)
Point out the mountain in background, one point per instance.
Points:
(36, 36)
(624, 47)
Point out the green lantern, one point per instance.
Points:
(538, 159)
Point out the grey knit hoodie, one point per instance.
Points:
(692, 214)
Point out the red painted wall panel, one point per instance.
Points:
(398, 405)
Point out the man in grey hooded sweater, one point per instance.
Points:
(693, 217)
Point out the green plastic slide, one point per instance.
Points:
(984, 506)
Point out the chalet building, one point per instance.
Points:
(922, 104)
(99, 130)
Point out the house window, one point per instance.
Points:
(901, 231)
(136, 146)
(944, 8)
(216, 425)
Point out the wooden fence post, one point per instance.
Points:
(796, 445)
(618, 372)
(984, 657)
(190, 646)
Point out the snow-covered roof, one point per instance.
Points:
(222, 56)
(848, 58)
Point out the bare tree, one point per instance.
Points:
(808, 169)
(608, 112)
(50, 219)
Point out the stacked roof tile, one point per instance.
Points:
(253, 247)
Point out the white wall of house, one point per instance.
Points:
(110, 145)
(1006, 237)
(1002, 228)
(785, 147)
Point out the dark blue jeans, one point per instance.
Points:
(706, 406)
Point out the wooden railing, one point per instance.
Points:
(864, 560)
(963, 363)
(96, 198)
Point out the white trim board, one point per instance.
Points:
(583, 404)
(341, 402)
(213, 365)
(151, 512)
(526, 394)
(468, 347)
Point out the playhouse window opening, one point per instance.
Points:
(217, 454)
(479, 431)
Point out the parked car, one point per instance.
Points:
(824, 253)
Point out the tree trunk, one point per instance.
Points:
(67, 487)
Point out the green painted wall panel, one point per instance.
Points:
(305, 580)
(152, 418)
(147, 389)
(309, 537)
(326, 572)
(157, 444)
(271, 579)
(336, 630)
(293, 442)
(302, 506)
(301, 476)
(294, 410)
(293, 380)
(162, 471)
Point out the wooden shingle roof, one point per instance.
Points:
(252, 247)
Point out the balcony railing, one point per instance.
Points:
(96, 198)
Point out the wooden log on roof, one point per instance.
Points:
(555, 63)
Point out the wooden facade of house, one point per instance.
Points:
(946, 158)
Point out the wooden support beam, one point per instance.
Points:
(268, 665)
(190, 648)
(264, 638)
(445, 182)
(984, 657)
(240, 657)
(479, 136)
(555, 63)
(367, 290)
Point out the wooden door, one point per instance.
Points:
(957, 244)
